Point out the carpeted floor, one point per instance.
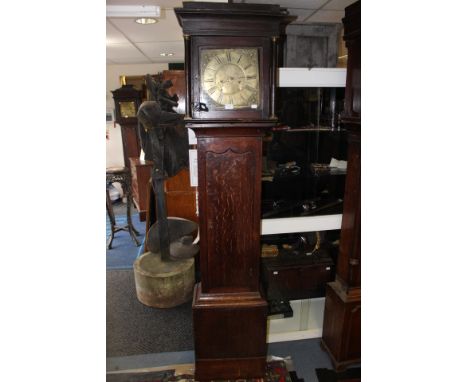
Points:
(134, 328)
(124, 251)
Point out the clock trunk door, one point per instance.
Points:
(230, 188)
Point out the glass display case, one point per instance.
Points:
(303, 180)
(304, 159)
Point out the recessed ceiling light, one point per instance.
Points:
(146, 20)
(166, 54)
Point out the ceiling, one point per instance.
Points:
(130, 43)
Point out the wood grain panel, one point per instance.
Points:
(348, 268)
(230, 200)
(221, 326)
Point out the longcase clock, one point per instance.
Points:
(127, 101)
(341, 336)
(230, 60)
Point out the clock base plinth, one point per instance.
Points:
(341, 336)
(230, 335)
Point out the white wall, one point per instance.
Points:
(114, 148)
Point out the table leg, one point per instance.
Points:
(110, 213)
(131, 229)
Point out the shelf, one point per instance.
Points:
(301, 224)
(307, 129)
(312, 77)
(327, 129)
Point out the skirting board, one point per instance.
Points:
(294, 336)
(307, 322)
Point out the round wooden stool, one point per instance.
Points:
(120, 175)
(163, 284)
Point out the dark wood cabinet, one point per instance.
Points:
(178, 87)
(297, 278)
(342, 316)
(141, 174)
(311, 46)
(181, 196)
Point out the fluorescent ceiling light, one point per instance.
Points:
(144, 11)
(146, 20)
(166, 54)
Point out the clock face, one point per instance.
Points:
(127, 109)
(230, 78)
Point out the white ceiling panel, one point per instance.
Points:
(338, 5)
(125, 37)
(127, 60)
(118, 52)
(153, 51)
(300, 13)
(326, 17)
(166, 29)
(113, 36)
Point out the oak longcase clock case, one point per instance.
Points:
(231, 67)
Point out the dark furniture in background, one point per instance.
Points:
(297, 182)
(311, 45)
(178, 87)
(310, 134)
(341, 336)
(122, 176)
(141, 174)
(297, 277)
(229, 311)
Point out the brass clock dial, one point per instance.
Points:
(230, 77)
(127, 109)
